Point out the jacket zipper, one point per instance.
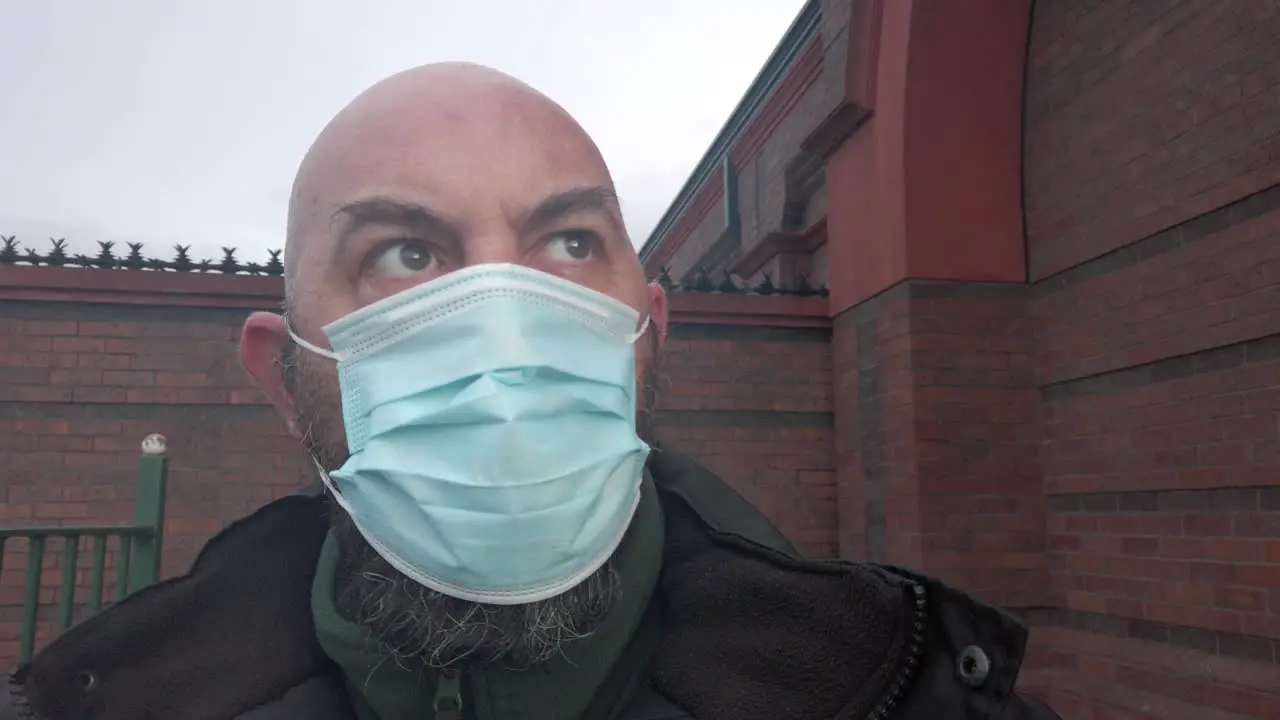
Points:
(915, 651)
(19, 702)
(447, 704)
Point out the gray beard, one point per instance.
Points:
(414, 624)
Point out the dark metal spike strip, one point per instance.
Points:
(703, 281)
(11, 253)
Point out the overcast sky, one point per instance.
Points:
(175, 121)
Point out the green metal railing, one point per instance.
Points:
(138, 551)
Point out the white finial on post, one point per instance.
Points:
(154, 444)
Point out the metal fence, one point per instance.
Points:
(137, 549)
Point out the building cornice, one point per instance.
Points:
(803, 28)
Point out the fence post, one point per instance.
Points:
(153, 469)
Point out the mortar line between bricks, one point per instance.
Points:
(747, 333)
(742, 418)
(219, 403)
(1265, 498)
(924, 288)
(1207, 360)
(52, 410)
(33, 410)
(1241, 646)
(1183, 234)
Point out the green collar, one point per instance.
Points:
(560, 689)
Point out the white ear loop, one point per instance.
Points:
(643, 326)
(313, 348)
(330, 486)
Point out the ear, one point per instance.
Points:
(261, 341)
(658, 310)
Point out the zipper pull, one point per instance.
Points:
(448, 701)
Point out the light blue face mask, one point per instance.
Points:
(491, 421)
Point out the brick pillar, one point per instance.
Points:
(935, 404)
(745, 389)
(936, 436)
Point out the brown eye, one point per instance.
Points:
(574, 246)
(407, 257)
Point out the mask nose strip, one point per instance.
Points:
(334, 356)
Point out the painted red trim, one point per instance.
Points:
(947, 84)
(862, 61)
(806, 71)
(710, 194)
(799, 79)
(780, 242)
(754, 310)
(139, 287)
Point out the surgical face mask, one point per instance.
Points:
(491, 423)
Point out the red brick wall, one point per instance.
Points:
(82, 382)
(1098, 447)
(1152, 157)
(1144, 115)
(753, 404)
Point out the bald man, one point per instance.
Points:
(467, 356)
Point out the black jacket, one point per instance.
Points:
(743, 629)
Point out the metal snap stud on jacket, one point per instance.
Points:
(86, 680)
(973, 665)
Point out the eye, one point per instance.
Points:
(404, 257)
(572, 246)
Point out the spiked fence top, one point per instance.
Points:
(107, 258)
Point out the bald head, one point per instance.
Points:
(479, 152)
(443, 101)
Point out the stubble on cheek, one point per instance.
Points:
(317, 402)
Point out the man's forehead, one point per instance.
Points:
(446, 134)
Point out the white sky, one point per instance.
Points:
(176, 121)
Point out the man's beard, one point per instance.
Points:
(412, 622)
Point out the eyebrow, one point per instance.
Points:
(388, 211)
(393, 212)
(595, 199)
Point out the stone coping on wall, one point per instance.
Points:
(139, 287)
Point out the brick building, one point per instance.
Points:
(1047, 367)
(1051, 235)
